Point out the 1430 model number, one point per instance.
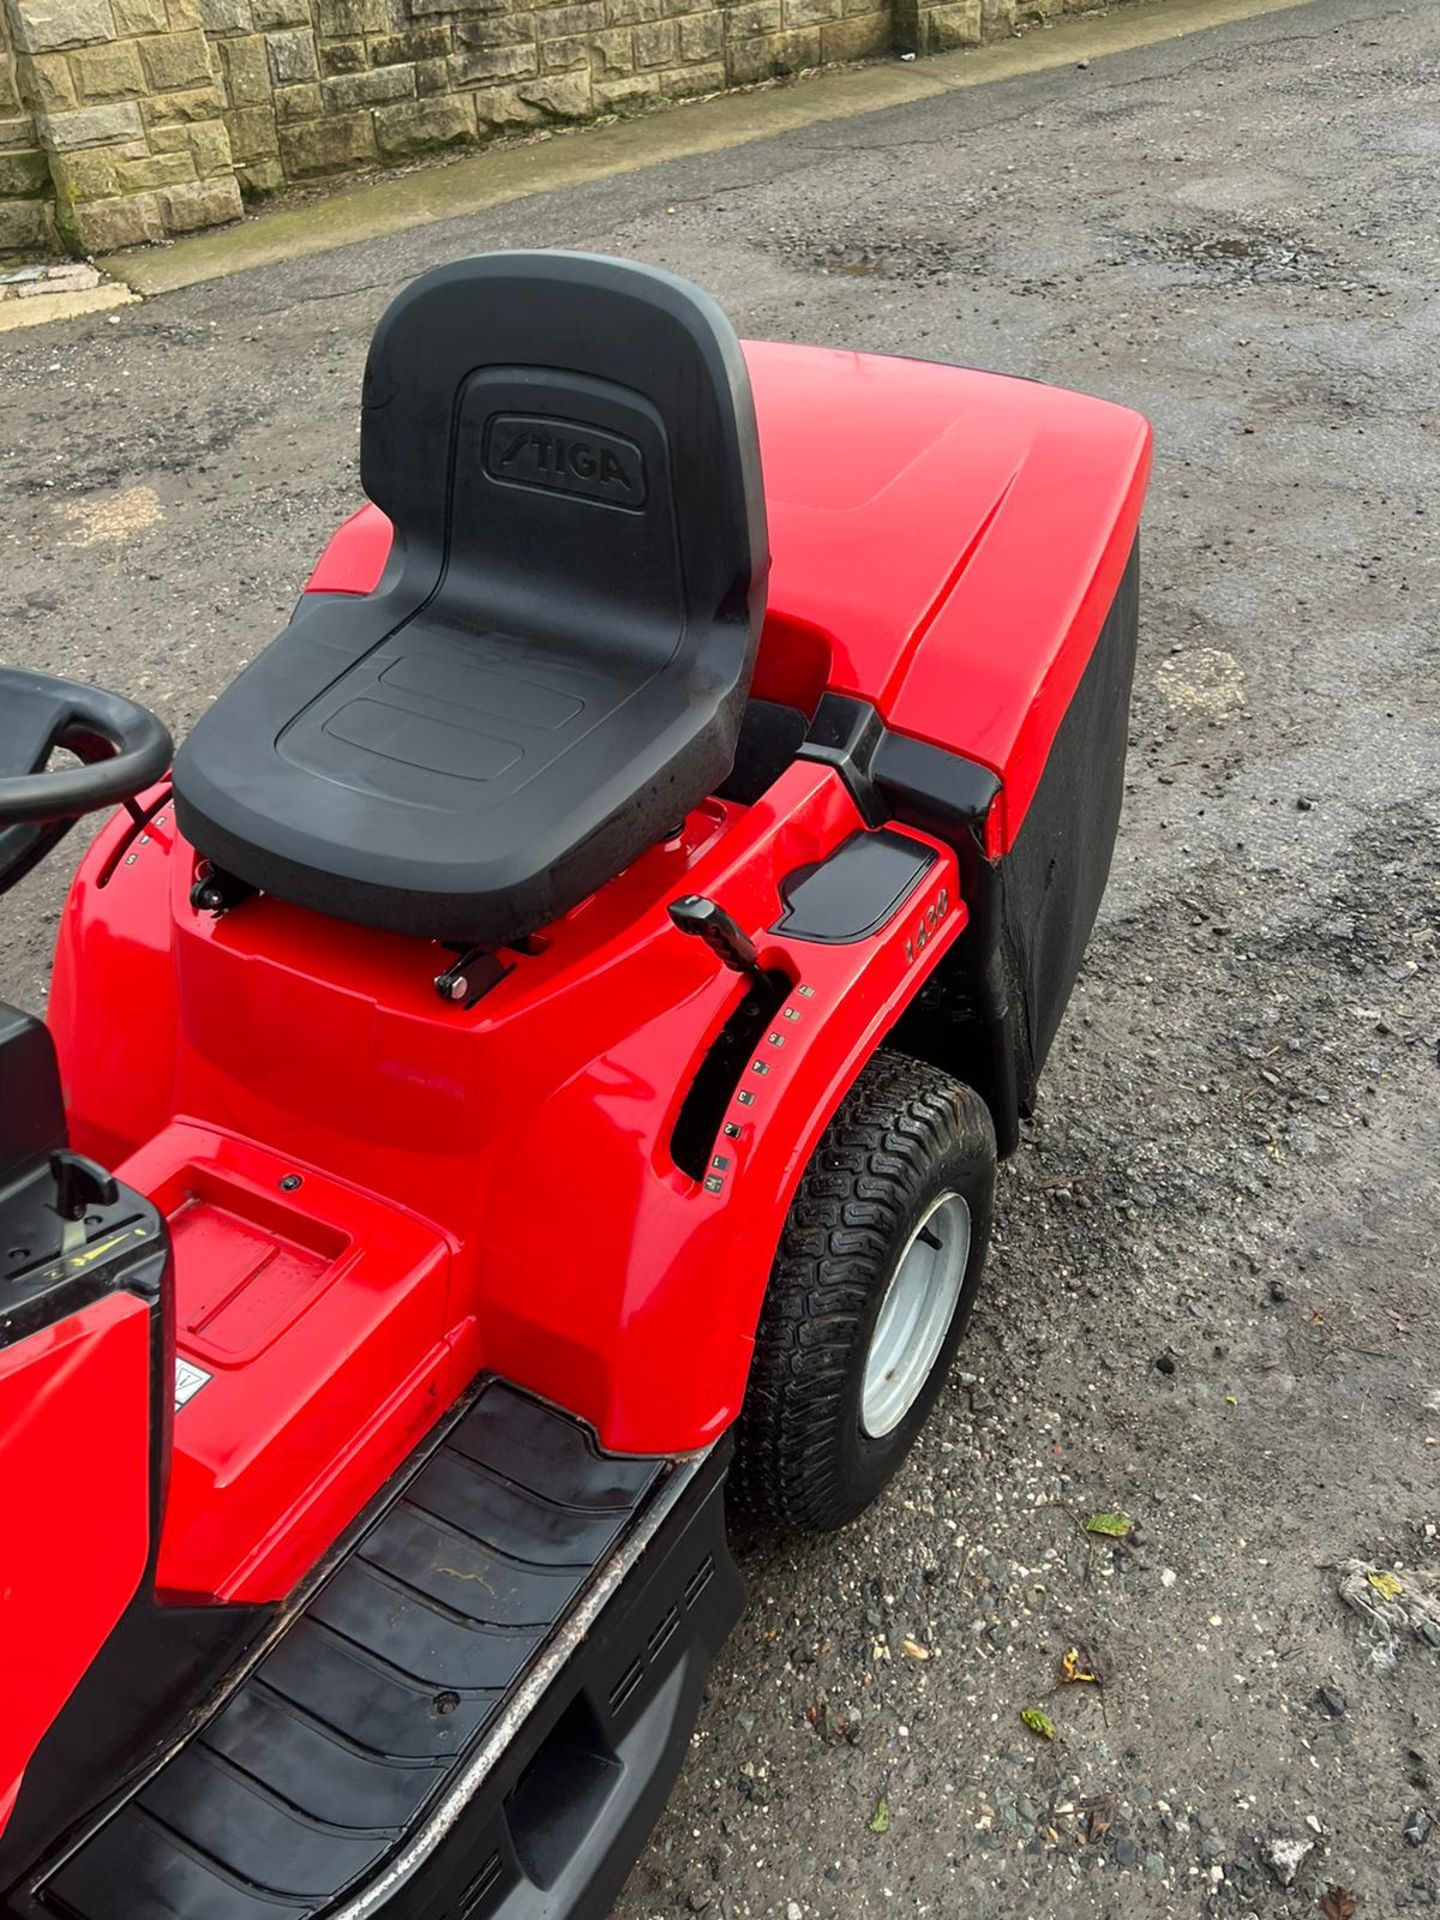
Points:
(927, 925)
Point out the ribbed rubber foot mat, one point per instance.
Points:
(326, 1754)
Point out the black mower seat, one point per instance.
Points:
(553, 669)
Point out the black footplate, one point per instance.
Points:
(480, 1711)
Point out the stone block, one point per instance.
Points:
(419, 43)
(329, 145)
(688, 83)
(25, 227)
(172, 137)
(564, 22)
(24, 176)
(424, 126)
(49, 26)
(252, 133)
(226, 16)
(50, 82)
(810, 13)
(374, 89)
(628, 13)
(91, 175)
(432, 77)
(19, 132)
(504, 30)
(176, 60)
(858, 38)
(626, 95)
(108, 72)
(9, 94)
(157, 170)
(655, 44)
(502, 110)
(292, 56)
(612, 53)
(954, 25)
(259, 177)
(752, 17)
(342, 19)
(563, 56)
(482, 64)
(246, 69)
(184, 16)
(269, 14)
(997, 17)
(564, 96)
(193, 103)
(701, 36)
(92, 126)
(104, 226)
(139, 16)
(204, 203)
(772, 56)
(298, 103)
(343, 56)
(209, 144)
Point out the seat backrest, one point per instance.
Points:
(566, 445)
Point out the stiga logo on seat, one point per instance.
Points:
(565, 456)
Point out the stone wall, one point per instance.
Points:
(124, 121)
(26, 218)
(318, 87)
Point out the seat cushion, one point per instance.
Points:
(467, 787)
(553, 670)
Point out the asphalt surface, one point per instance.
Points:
(1212, 1305)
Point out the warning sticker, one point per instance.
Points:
(188, 1381)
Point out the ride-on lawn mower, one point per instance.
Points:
(533, 1073)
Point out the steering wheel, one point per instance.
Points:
(124, 749)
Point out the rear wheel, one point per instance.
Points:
(878, 1267)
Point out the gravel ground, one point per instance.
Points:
(1212, 1301)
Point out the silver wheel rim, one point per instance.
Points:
(915, 1315)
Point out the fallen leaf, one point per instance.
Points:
(1073, 1670)
(1115, 1526)
(880, 1819)
(914, 1649)
(1338, 1904)
(1038, 1722)
(1386, 1585)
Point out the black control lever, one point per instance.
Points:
(695, 914)
(80, 1184)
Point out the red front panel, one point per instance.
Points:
(487, 1187)
(74, 1509)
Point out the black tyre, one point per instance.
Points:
(863, 1313)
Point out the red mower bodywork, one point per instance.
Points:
(375, 1197)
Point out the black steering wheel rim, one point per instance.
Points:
(124, 748)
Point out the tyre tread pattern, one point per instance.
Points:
(900, 1119)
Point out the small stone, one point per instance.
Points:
(1284, 1856)
(1332, 1700)
(1126, 1852)
(1165, 1362)
(1417, 1827)
(792, 1910)
(1279, 1293)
